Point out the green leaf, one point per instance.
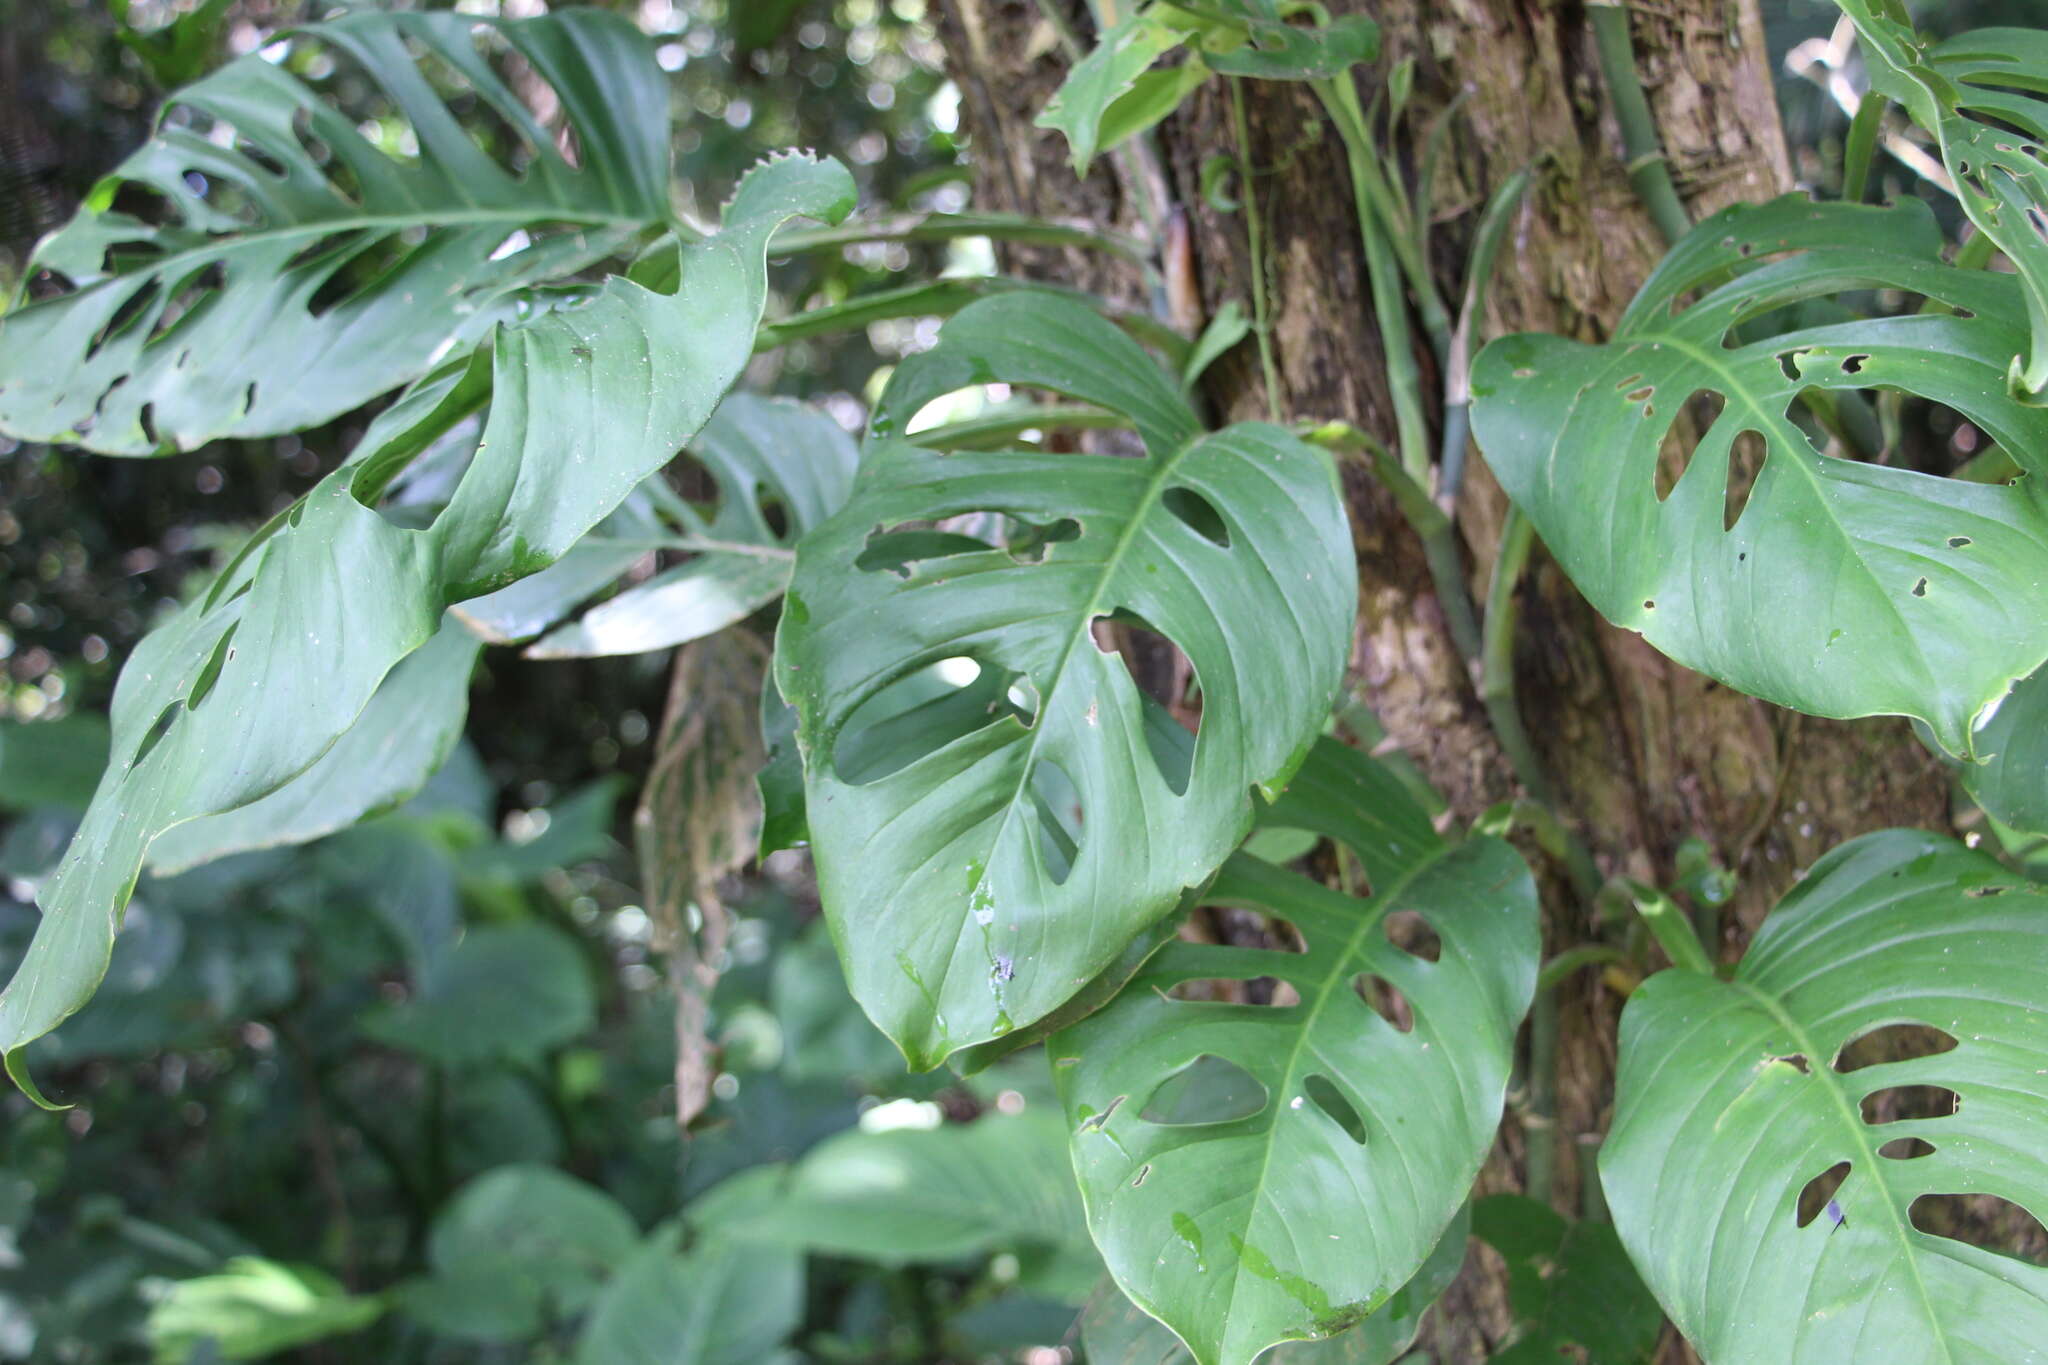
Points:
(722, 1304)
(766, 456)
(248, 687)
(514, 1247)
(1969, 92)
(1257, 1173)
(1841, 588)
(1262, 44)
(1107, 77)
(1731, 1098)
(1571, 1285)
(906, 1196)
(1115, 1331)
(401, 739)
(1225, 330)
(356, 267)
(512, 990)
(961, 909)
(252, 1310)
(2012, 781)
(51, 762)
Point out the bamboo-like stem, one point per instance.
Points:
(1255, 244)
(1647, 169)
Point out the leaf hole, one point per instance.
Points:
(1746, 455)
(917, 715)
(1639, 395)
(1058, 804)
(1386, 1000)
(1906, 1149)
(1674, 455)
(1854, 364)
(1986, 1221)
(902, 547)
(1788, 361)
(1166, 677)
(1899, 1103)
(1412, 934)
(1959, 542)
(1210, 1089)
(1892, 1043)
(1198, 514)
(1324, 1094)
(1818, 1195)
(1920, 588)
(154, 736)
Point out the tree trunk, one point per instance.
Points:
(1642, 754)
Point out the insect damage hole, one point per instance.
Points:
(1322, 1092)
(1210, 1089)
(1818, 1194)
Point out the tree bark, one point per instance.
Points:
(1642, 754)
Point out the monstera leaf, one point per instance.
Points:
(1115, 1332)
(779, 469)
(1257, 1173)
(1971, 93)
(249, 686)
(1840, 588)
(1118, 90)
(300, 269)
(1733, 1095)
(974, 887)
(2012, 782)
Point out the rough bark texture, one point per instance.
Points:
(1644, 754)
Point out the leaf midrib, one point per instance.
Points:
(1823, 1066)
(1376, 909)
(1111, 564)
(514, 216)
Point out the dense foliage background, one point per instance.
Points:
(407, 1094)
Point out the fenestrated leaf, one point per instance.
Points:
(1842, 588)
(1115, 1331)
(1294, 1202)
(402, 738)
(721, 1304)
(956, 924)
(1969, 92)
(1263, 44)
(2012, 782)
(222, 320)
(766, 455)
(1731, 1098)
(249, 686)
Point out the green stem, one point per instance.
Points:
(946, 227)
(1539, 1123)
(1977, 252)
(1497, 655)
(1859, 154)
(1647, 169)
(1493, 228)
(1673, 931)
(1571, 960)
(1255, 243)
